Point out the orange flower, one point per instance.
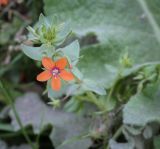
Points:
(3, 2)
(55, 71)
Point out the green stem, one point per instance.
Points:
(92, 98)
(113, 86)
(116, 135)
(41, 128)
(108, 99)
(10, 99)
(151, 19)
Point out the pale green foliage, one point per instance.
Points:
(66, 126)
(117, 26)
(130, 76)
(32, 52)
(72, 51)
(48, 31)
(143, 108)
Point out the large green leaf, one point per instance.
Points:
(90, 85)
(66, 126)
(143, 108)
(117, 24)
(96, 60)
(71, 51)
(104, 17)
(154, 7)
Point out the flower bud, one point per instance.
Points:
(55, 103)
(125, 61)
(47, 32)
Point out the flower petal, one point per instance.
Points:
(66, 75)
(61, 63)
(44, 76)
(56, 83)
(48, 63)
(3, 2)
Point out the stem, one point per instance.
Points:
(93, 99)
(151, 19)
(112, 88)
(10, 99)
(118, 132)
(116, 135)
(41, 129)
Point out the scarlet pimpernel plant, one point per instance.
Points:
(58, 59)
(50, 44)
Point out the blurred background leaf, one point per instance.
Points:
(116, 25)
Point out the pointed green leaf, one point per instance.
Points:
(90, 85)
(72, 51)
(32, 52)
(77, 73)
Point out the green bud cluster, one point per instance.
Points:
(125, 61)
(48, 31)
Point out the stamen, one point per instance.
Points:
(55, 71)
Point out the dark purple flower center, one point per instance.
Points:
(55, 71)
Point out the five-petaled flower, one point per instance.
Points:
(55, 70)
(3, 2)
